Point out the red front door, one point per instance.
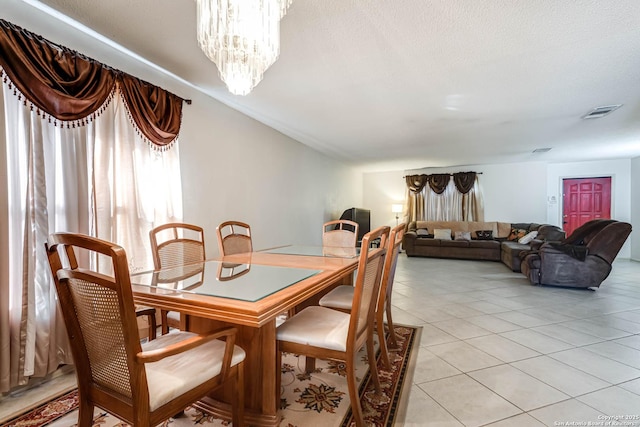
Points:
(585, 199)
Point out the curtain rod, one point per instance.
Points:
(451, 174)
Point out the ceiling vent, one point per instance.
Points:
(541, 150)
(598, 112)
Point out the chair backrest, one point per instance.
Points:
(390, 262)
(583, 234)
(177, 244)
(607, 243)
(340, 233)
(367, 285)
(234, 237)
(100, 317)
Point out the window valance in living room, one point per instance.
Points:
(438, 182)
(72, 88)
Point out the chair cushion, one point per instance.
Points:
(340, 297)
(318, 327)
(175, 375)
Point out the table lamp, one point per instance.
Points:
(396, 209)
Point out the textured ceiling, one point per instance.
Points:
(414, 83)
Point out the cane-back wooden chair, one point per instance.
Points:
(341, 298)
(142, 384)
(234, 237)
(321, 332)
(172, 245)
(340, 233)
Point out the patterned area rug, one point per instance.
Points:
(317, 399)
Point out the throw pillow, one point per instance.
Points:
(442, 233)
(528, 238)
(516, 234)
(422, 232)
(462, 235)
(484, 234)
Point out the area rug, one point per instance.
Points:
(307, 400)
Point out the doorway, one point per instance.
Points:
(584, 199)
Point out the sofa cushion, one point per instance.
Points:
(451, 225)
(550, 232)
(427, 242)
(510, 254)
(462, 235)
(442, 233)
(484, 244)
(454, 243)
(528, 226)
(526, 239)
(484, 234)
(422, 232)
(474, 226)
(517, 234)
(504, 229)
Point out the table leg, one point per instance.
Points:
(262, 402)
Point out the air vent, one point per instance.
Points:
(541, 150)
(598, 112)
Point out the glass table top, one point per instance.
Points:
(246, 282)
(325, 251)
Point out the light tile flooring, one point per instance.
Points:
(496, 351)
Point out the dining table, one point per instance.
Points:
(251, 292)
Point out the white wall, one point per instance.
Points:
(381, 190)
(635, 208)
(501, 186)
(513, 192)
(234, 167)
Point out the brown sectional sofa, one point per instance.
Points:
(419, 240)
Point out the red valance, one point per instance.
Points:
(71, 87)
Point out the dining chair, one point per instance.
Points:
(150, 314)
(341, 297)
(340, 233)
(172, 245)
(321, 332)
(234, 237)
(142, 384)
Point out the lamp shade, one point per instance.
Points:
(396, 208)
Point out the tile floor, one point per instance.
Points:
(496, 351)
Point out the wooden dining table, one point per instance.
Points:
(248, 291)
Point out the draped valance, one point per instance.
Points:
(71, 88)
(438, 182)
(415, 183)
(464, 181)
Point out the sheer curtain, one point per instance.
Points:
(446, 206)
(437, 197)
(452, 205)
(100, 179)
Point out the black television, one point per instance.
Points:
(362, 217)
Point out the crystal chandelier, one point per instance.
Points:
(242, 37)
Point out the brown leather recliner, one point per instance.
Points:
(582, 260)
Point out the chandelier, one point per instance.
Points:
(242, 37)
